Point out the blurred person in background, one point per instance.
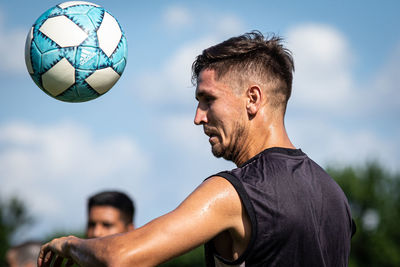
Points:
(109, 212)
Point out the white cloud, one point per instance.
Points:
(181, 130)
(177, 17)
(65, 150)
(383, 95)
(190, 142)
(173, 81)
(49, 165)
(329, 143)
(12, 47)
(229, 25)
(325, 89)
(323, 60)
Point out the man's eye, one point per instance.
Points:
(107, 225)
(209, 99)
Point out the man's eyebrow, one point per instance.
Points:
(203, 93)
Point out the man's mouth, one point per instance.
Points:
(211, 134)
(213, 139)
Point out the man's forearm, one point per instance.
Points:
(88, 252)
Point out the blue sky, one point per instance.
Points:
(140, 137)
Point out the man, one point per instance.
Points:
(109, 212)
(23, 255)
(278, 208)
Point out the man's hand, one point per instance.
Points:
(57, 250)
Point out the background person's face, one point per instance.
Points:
(103, 221)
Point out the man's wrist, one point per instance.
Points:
(70, 247)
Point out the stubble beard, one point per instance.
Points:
(231, 152)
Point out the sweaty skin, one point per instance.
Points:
(240, 125)
(214, 207)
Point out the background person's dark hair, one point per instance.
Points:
(117, 200)
(251, 55)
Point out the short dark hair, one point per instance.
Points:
(115, 199)
(251, 55)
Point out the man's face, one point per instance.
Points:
(105, 220)
(221, 112)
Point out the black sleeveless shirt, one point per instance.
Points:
(299, 215)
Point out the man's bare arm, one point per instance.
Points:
(211, 209)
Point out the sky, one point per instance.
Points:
(140, 138)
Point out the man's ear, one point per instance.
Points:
(254, 99)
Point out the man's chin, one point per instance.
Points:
(222, 153)
(218, 153)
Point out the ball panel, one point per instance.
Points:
(44, 17)
(87, 58)
(91, 40)
(81, 75)
(120, 53)
(59, 78)
(83, 21)
(49, 59)
(80, 9)
(76, 94)
(28, 42)
(63, 31)
(96, 16)
(109, 34)
(102, 80)
(104, 60)
(74, 3)
(36, 58)
(120, 66)
(43, 42)
(69, 53)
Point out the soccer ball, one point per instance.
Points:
(76, 51)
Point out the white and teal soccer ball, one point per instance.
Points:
(76, 51)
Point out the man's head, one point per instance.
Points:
(250, 58)
(236, 80)
(109, 212)
(23, 255)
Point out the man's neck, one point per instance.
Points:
(263, 138)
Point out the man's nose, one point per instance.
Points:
(201, 116)
(98, 231)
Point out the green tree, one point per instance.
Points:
(13, 215)
(374, 197)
